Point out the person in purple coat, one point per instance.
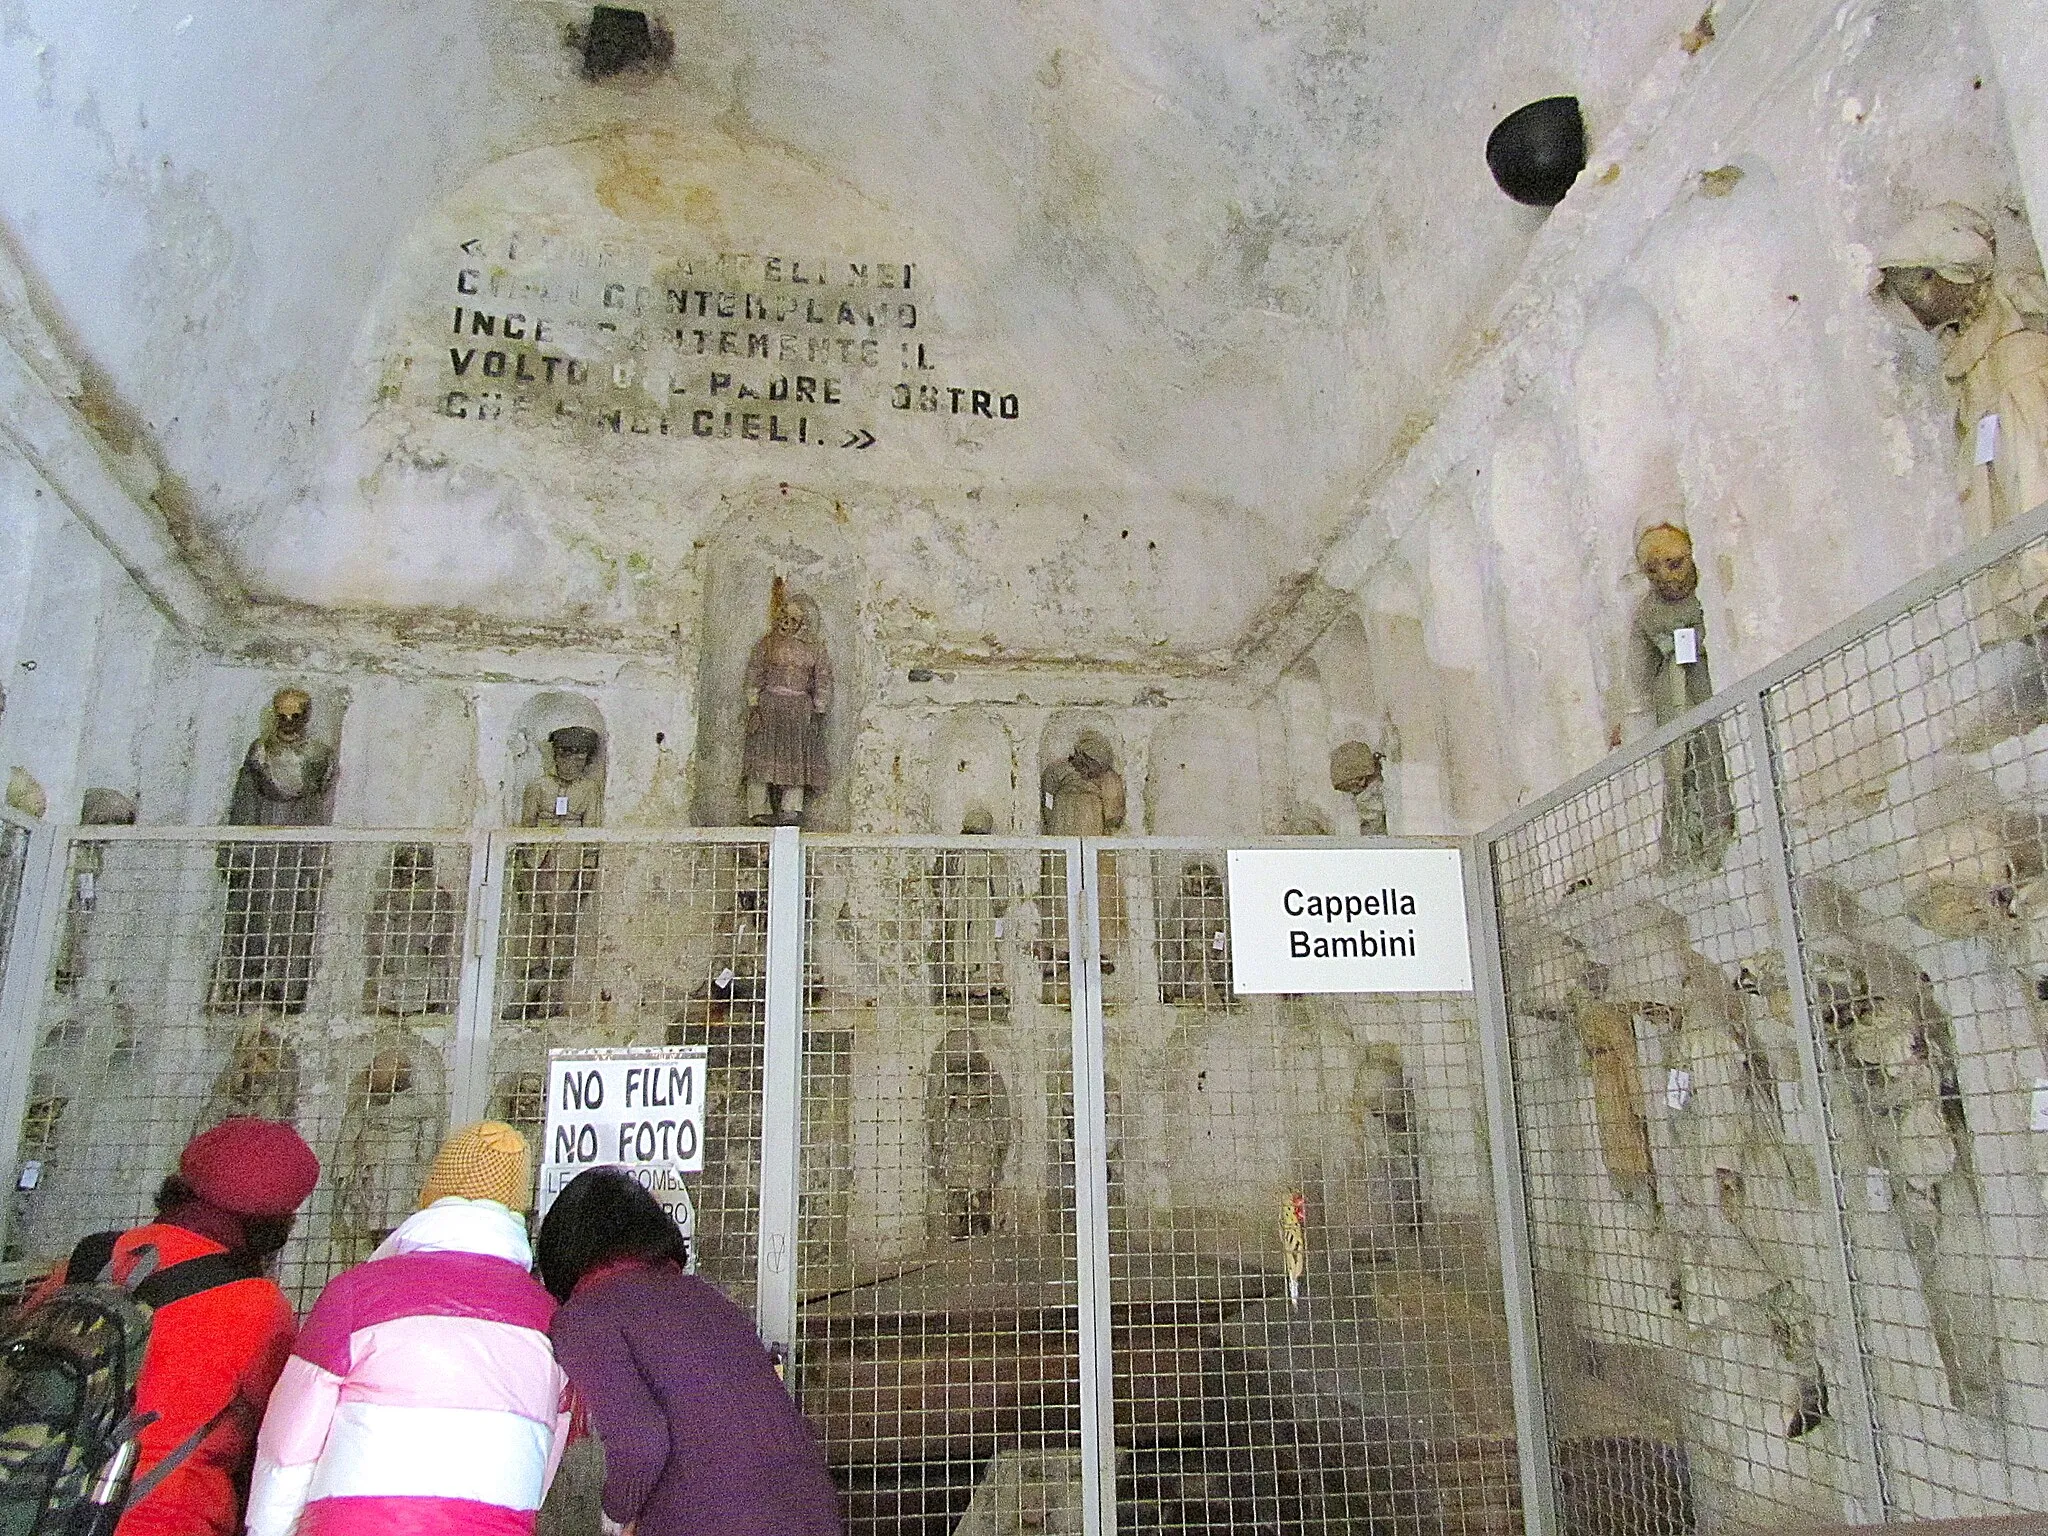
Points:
(699, 1434)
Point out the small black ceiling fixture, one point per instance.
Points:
(1536, 152)
(618, 40)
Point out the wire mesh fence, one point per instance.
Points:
(937, 1270)
(610, 942)
(1682, 1228)
(309, 980)
(1913, 764)
(1086, 1239)
(1307, 1328)
(1775, 1004)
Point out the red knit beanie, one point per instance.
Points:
(251, 1167)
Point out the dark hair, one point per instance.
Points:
(262, 1236)
(173, 1193)
(603, 1215)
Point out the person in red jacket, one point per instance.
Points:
(213, 1357)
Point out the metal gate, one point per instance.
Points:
(1722, 1205)
(1777, 986)
(1055, 1231)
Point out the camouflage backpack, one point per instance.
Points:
(68, 1369)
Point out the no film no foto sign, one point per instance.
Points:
(640, 1108)
(1348, 920)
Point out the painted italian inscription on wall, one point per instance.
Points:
(776, 349)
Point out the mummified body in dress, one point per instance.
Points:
(789, 689)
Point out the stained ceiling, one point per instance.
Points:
(1182, 275)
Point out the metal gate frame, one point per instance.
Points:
(45, 889)
(1871, 1500)
(29, 935)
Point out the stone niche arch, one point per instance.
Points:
(1343, 659)
(1626, 439)
(1354, 708)
(526, 743)
(1621, 424)
(973, 765)
(1203, 778)
(800, 537)
(1416, 742)
(1552, 616)
(236, 710)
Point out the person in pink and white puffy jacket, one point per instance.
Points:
(422, 1396)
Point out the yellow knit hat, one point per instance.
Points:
(485, 1161)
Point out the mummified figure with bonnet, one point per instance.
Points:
(1990, 318)
(273, 889)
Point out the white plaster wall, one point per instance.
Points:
(1226, 252)
(100, 689)
(1708, 353)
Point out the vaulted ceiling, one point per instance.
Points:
(1217, 254)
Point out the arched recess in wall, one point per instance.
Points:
(1627, 446)
(1628, 462)
(1418, 788)
(1202, 775)
(973, 767)
(801, 537)
(1344, 663)
(1549, 647)
(526, 745)
(1350, 707)
(236, 710)
(1461, 631)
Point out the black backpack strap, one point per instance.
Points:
(145, 1485)
(90, 1260)
(175, 1282)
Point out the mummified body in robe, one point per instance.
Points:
(260, 1076)
(1668, 663)
(789, 689)
(389, 1135)
(967, 1127)
(1898, 1057)
(969, 895)
(409, 948)
(1194, 940)
(1607, 1034)
(273, 889)
(552, 883)
(1082, 795)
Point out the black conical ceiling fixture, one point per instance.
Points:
(1537, 151)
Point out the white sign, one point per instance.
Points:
(1348, 920)
(1987, 439)
(639, 1108)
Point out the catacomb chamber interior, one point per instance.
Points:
(1293, 1315)
(1055, 1228)
(475, 477)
